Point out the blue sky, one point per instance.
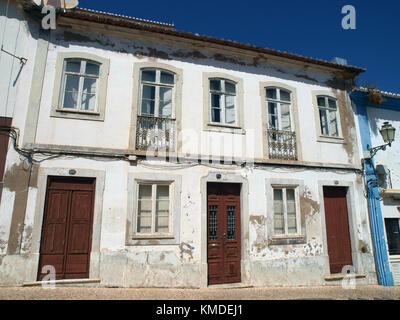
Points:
(310, 28)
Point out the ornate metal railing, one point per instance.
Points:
(282, 145)
(157, 133)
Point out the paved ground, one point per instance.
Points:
(288, 293)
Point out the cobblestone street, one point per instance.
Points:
(287, 293)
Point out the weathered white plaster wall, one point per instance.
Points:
(184, 265)
(123, 54)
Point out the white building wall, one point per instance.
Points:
(115, 262)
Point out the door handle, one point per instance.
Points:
(214, 245)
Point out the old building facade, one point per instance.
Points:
(151, 157)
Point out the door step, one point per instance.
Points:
(335, 277)
(61, 282)
(230, 286)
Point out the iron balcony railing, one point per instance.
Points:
(155, 133)
(282, 145)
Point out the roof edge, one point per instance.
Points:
(141, 24)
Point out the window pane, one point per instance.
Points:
(215, 100)
(231, 223)
(230, 113)
(88, 102)
(89, 85)
(230, 87)
(271, 93)
(215, 115)
(285, 117)
(321, 102)
(333, 127)
(149, 75)
(279, 226)
(147, 107)
(285, 95)
(70, 100)
(165, 94)
(149, 92)
(92, 68)
(73, 66)
(291, 211)
(144, 209)
(72, 83)
(165, 109)
(323, 121)
(215, 85)
(393, 235)
(273, 116)
(167, 78)
(332, 104)
(145, 191)
(162, 209)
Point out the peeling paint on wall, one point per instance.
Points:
(186, 251)
(309, 207)
(261, 243)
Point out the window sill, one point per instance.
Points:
(78, 111)
(330, 139)
(219, 127)
(285, 240)
(77, 114)
(152, 236)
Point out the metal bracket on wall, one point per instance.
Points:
(23, 60)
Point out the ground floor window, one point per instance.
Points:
(285, 211)
(153, 209)
(393, 235)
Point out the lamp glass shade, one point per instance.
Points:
(388, 132)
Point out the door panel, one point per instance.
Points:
(67, 227)
(224, 240)
(337, 228)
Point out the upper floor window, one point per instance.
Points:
(279, 107)
(157, 92)
(328, 116)
(223, 101)
(80, 85)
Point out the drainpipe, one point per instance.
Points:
(385, 276)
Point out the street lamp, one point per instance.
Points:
(388, 135)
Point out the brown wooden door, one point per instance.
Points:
(337, 228)
(4, 138)
(224, 234)
(67, 227)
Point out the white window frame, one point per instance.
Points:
(157, 84)
(82, 75)
(58, 89)
(326, 109)
(279, 103)
(153, 234)
(223, 95)
(298, 222)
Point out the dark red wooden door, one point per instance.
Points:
(337, 228)
(224, 233)
(4, 138)
(67, 227)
